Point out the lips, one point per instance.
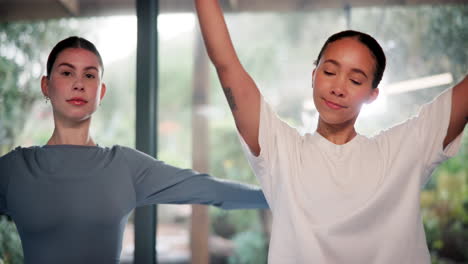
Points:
(77, 101)
(333, 105)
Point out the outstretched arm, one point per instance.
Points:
(459, 112)
(241, 92)
(156, 182)
(189, 187)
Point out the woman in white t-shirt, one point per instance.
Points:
(337, 196)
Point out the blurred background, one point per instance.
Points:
(426, 47)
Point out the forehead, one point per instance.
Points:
(351, 53)
(78, 57)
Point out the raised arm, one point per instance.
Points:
(241, 92)
(459, 112)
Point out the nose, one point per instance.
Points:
(78, 85)
(337, 92)
(339, 89)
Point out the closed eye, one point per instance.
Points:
(356, 82)
(328, 73)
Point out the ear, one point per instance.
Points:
(103, 90)
(373, 95)
(45, 86)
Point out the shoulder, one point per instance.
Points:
(439, 107)
(432, 115)
(14, 154)
(128, 151)
(132, 155)
(11, 161)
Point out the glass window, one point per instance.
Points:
(426, 53)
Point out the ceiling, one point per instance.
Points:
(16, 10)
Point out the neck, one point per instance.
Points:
(338, 134)
(71, 134)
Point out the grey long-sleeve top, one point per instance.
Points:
(71, 203)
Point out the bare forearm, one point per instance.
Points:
(215, 33)
(459, 111)
(464, 95)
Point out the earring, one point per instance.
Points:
(46, 99)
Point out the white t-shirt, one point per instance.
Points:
(352, 203)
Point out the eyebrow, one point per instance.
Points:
(357, 70)
(73, 67)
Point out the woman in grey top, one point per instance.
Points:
(71, 199)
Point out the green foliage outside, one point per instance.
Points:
(445, 209)
(249, 248)
(11, 251)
